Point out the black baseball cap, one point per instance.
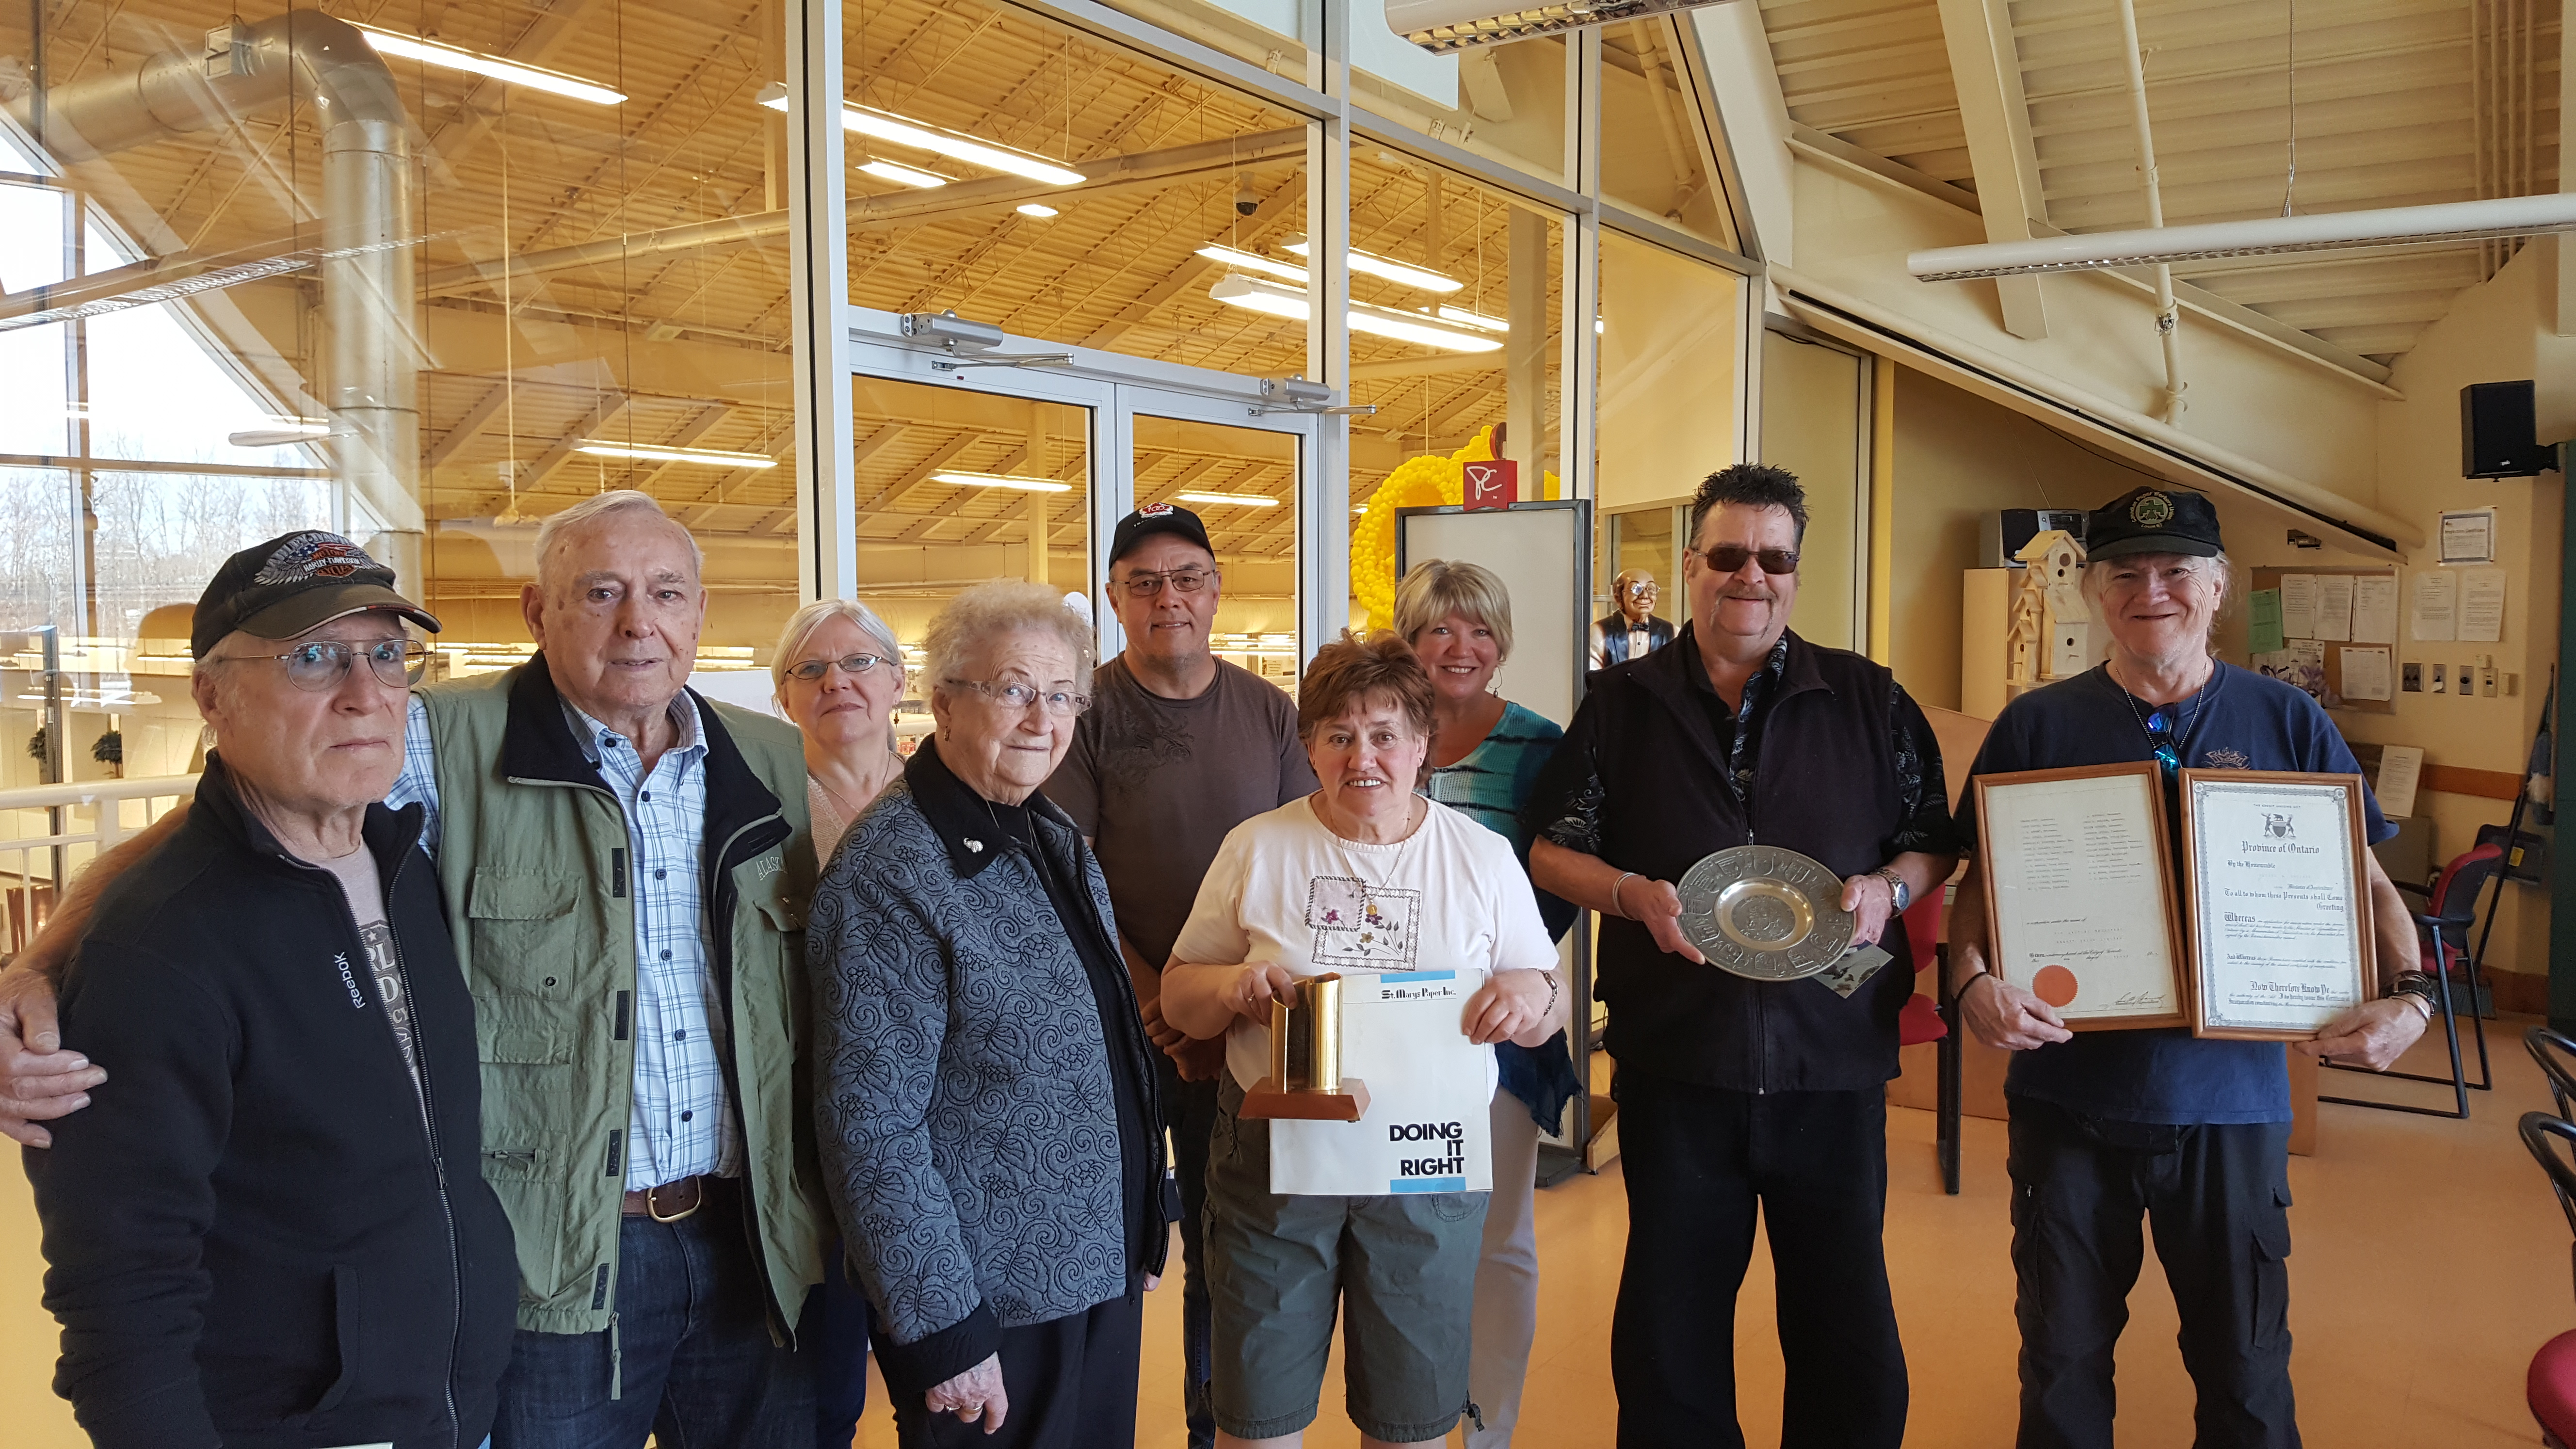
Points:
(294, 584)
(2152, 520)
(1156, 518)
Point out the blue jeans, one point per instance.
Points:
(1189, 1109)
(834, 1334)
(689, 1340)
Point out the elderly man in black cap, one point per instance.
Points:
(273, 1228)
(1177, 749)
(2192, 1135)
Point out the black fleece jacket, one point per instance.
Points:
(253, 1237)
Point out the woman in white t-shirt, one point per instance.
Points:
(1362, 876)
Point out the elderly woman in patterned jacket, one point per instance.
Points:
(985, 1100)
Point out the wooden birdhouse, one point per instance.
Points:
(2050, 632)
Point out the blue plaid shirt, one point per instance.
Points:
(678, 1126)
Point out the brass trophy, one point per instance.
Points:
(1306, 1080)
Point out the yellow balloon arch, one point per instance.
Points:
(1425, 482)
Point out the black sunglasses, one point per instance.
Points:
(1729, 558)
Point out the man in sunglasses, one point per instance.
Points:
(1177, 749)
(274, 1226)
(1739, 1095)
(2111, 1127)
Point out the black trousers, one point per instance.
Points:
(2216, 1198)
(1699, 1162)
(1071, 1381)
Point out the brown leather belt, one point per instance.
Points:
(671, 1202)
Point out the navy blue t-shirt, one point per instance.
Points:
(2239, 721)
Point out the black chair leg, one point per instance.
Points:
(2478, 1023)
(2457, 1081)
(1947, 1054)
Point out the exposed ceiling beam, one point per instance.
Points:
(921, 471)
(1191, 270)
(600, 416)
(908, 208)
(707, 421)
(535, 46)
(468, 428)
(1986, 65)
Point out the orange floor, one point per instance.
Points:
(2430, 1262)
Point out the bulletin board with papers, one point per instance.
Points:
(2330, 631)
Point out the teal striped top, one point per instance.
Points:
(1497, 775)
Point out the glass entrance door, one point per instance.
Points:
(1017, 459)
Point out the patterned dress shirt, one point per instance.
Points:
(679, 1126)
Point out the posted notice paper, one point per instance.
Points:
(2334, 607)
(2482, 605)
(2437, 604)
(2263, 625)
(2400, 767)
(2365, 674)
(2374, 609)
(2298, 606)
(1427, 1128)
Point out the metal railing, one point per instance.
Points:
(48, 832)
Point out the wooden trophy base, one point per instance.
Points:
(1347, 1103)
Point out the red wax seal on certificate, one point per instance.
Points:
(2055, 985)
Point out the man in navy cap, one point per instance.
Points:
(1177, 749)
(2111, 1127)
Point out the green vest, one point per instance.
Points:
(533, 864)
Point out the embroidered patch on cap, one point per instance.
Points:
(2152, 510)
(1153, 510)
(313, 556)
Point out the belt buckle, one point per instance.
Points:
(653, 1205)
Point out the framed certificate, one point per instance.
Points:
(2280, 912)
(2080, 893)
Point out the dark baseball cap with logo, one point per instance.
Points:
(294, 584)
(2152, 520)
(1156, 518)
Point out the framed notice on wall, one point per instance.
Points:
(2280, 906)
(2080, 894)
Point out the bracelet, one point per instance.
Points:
(2417, 987)
(1550, 1009)
(1962, 993)
(1616, 908)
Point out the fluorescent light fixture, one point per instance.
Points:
(1242, 261)
(1387, 267)
(1290, 302)
(902, 175)
(1478, 320)
(1447, 26)
(1031, 208)
(1229, 500)
(645, 453)
(1001, 480)
(886, 126)
(508, 72)
(2455, 221)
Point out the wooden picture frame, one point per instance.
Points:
(2052, 930)
(2246, 836)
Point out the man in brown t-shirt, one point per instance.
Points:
(1177, 749)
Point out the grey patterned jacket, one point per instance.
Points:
(964, 1102)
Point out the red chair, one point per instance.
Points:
(2447, 958)
(2550, 1387)
(1924, 1019)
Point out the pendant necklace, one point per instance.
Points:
(1370, 890)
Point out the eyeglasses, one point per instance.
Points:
(853, 665)
(1184, 581)
(1019, 697)
(1648, 591)
(2160, 735)
(1729, 558)
(325, 662)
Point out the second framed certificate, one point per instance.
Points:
(2079, 894)
(2280, 905)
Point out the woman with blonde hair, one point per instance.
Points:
(1486, 753)
(839, 674)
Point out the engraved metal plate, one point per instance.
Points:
(1765, 913)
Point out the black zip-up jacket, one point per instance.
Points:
(1848, 773)
(253, 1237)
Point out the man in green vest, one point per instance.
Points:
(625, 868)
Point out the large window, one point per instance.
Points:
(422, 273)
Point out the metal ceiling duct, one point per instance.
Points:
(1443, 26)
(372, 362)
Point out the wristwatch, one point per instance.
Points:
(1896, 887)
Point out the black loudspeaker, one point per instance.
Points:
(2499, 432)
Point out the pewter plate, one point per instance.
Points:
(1765, 913)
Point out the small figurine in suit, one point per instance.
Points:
(1634, 631)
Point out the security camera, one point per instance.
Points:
(1246, 200)
(1444, 26)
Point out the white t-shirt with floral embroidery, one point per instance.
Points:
(1285, 888)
